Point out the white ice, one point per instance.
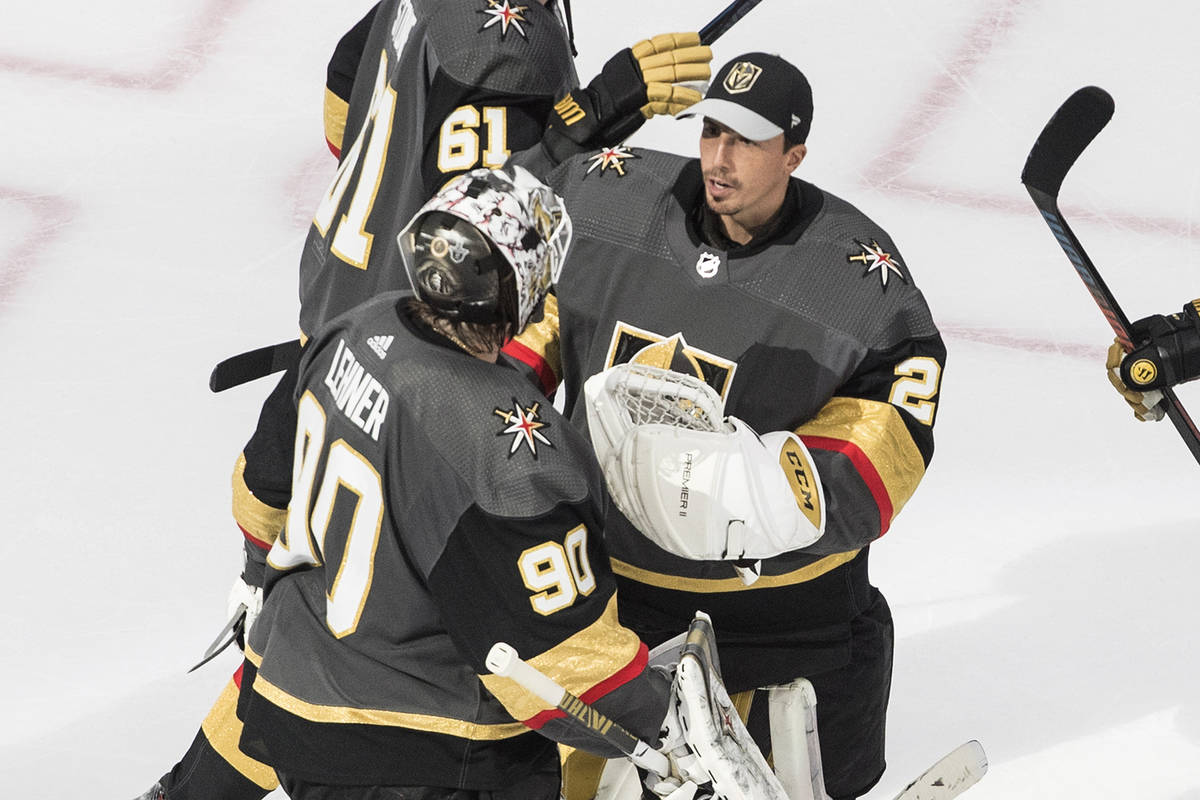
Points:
(157, 172)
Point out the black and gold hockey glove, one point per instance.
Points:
(635, 84)
(1167, 353)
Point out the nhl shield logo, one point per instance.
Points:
(708, 265)
(741, 77)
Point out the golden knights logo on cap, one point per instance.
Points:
(741, 77)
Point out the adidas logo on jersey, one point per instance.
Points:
(380, 344)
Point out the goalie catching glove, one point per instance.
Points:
(695, 484)
(635, 84)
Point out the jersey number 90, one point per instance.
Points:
(303, 542)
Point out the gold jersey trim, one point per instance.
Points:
(732, 584)
(429, 723)
(223, 729)
(876, 429)
(336, 111)
(255, 517)
(542, 336)
(578, 663)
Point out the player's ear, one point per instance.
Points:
(793, 155)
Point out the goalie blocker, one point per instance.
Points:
(698, 484)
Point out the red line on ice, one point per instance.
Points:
(176, 65)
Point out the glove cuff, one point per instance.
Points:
(619, 87)
(1172, 354)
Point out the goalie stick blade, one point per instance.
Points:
(1065, 137)
(951, 776)
(253, 364)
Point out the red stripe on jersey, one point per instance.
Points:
(866, 471)
(535, 362)
(333, 148)
(254, 540)
(623, 676)
(237, 676)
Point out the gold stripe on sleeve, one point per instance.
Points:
(256, 518)
(578, 663)
(336, 111)
(878, 431)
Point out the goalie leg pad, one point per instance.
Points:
(795, 749)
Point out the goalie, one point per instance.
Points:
(797, 312)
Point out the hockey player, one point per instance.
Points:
(440, 506)
(436, 95)
(798, 311)
(441, 88)
(423, 468)
(1167, 353)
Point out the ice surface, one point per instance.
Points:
(159, 168)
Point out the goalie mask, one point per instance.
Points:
(487, 247)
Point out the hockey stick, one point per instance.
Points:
(1065, 137)
(728, 17)
(253, 364)
(504, 661)
(226, 637)
(952, 775)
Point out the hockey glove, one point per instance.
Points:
(695, 484)
(717, 496)
(1168, 351)
(636, 83)
(247, 591)
(668, 63)
(1147, 406)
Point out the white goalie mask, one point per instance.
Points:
(487, 247)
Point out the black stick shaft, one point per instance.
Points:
(728, 17)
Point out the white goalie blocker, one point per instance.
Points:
(696, 483)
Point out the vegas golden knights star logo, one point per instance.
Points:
(741, 77)
(524, 426)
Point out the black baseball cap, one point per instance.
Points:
(760, 96)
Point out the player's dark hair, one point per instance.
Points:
(475, 337)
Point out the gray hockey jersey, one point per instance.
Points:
(440, 505)
(444, 86)
(821, 331)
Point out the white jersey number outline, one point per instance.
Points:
(918, 383)
(558, 573)
(303, 540)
